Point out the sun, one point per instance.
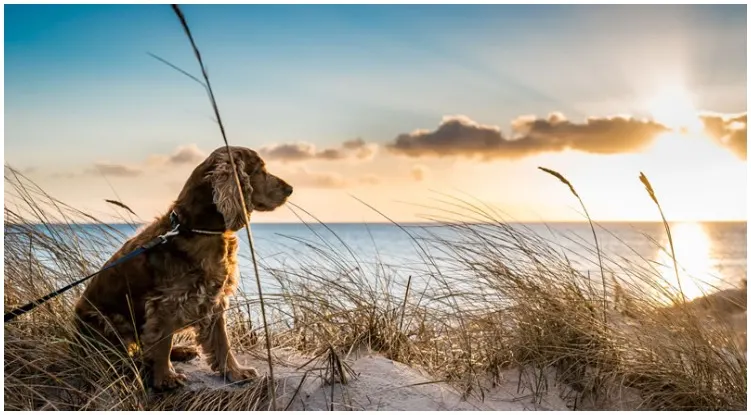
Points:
(673, 106)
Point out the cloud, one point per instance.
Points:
(293, 152)
(311, 179)
(599, 135)
(461, 136)
(419, 172)
(191, 155)
(183, 155)
(297, 152)
(728, 131)
(361, 149)
(113, 169)
(187, 154)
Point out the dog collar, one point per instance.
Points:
(175, 223)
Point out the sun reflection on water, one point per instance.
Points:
(696, 269)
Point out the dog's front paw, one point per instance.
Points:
(242, 374)
(168, 381)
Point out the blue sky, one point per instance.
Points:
(80, 87)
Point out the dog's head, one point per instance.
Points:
(213, 180)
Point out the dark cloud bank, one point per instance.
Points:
(461, 136)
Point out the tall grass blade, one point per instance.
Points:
(215, 107)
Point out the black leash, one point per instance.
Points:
(138, 251)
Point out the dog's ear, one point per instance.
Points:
(225, 192)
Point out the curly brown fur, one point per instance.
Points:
(185, 283)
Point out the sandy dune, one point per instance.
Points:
(382, 384)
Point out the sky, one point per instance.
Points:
(388, 110)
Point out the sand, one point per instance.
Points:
(385, 385)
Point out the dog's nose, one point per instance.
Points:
(287, 190)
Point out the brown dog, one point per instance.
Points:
(184, 283)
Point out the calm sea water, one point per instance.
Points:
(710, 255)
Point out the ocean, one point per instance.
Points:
(710, 256)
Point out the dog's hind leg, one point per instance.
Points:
(157, 345)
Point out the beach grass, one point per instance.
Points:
(494, 298)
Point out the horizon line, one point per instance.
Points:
(423, 223)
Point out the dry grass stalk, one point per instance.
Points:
(565, 181)
(653, 196)
(218, 116)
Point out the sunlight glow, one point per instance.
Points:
(674, 107)
(695, 266)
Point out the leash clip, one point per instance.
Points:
(175, 227)
(170, 234)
